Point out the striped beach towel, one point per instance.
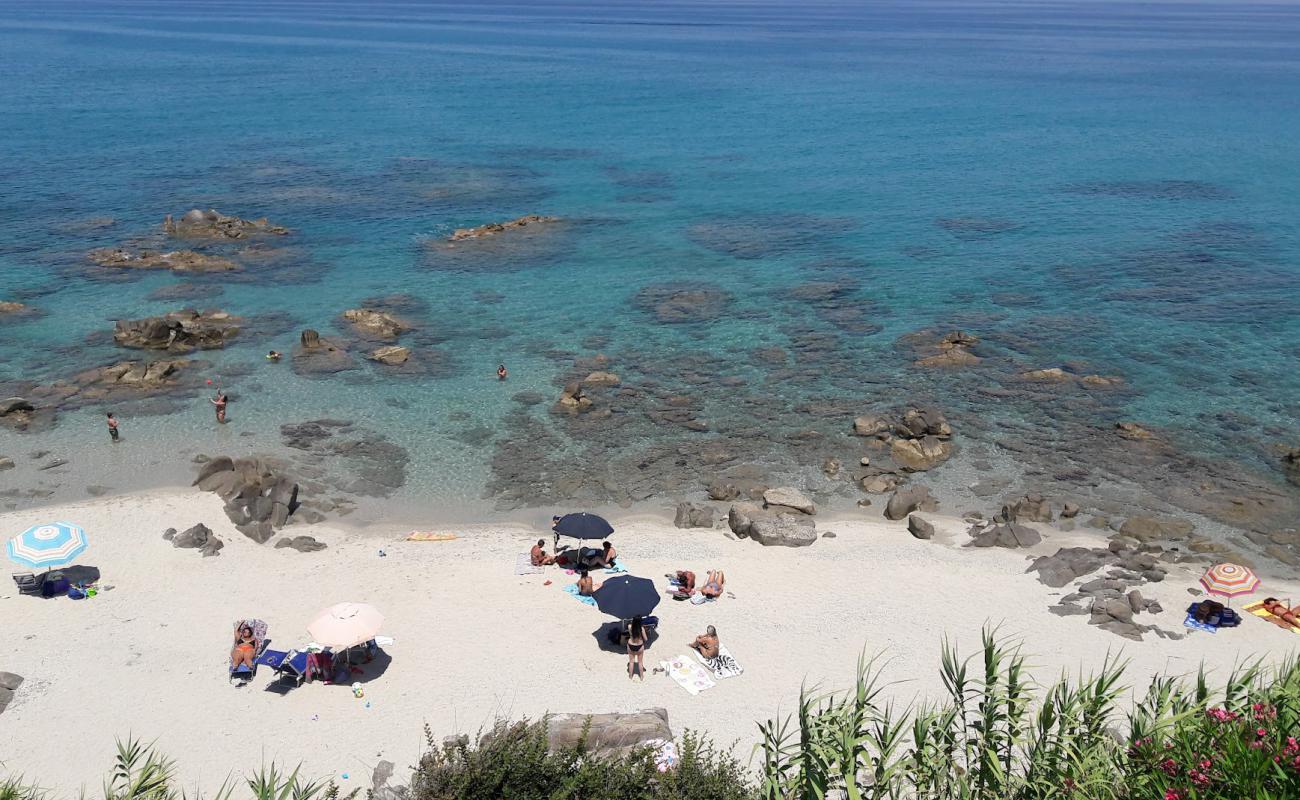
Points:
(722, 665)
(1257, 608)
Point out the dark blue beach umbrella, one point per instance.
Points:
(627, 596)
(583, 526)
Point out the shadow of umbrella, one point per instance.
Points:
(607, 637)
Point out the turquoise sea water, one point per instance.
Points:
(1106, 185)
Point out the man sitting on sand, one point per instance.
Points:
(713, 586)
(586, 586)
(1278, 609)
(706, 644)
(539, 557)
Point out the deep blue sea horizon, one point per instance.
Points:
(1109, 187)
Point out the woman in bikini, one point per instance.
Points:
(245, 649)
(220, 402)
(636, 649)
(586, 586)
(713, 586)
(1278, 609)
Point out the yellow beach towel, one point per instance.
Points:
(429, 536)
(1257, 608)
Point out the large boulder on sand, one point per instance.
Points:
(919, 528)
(789, 497)
(908, 499)
(259, 497)
(609, 734)
(1069, 563)
(693, 515)
(783, 530)
(1033, 507)
(303, 544)
(200, 537)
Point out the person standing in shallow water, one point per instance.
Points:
(501, 372)
(112, 428)
(220, 402)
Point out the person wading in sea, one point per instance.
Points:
(220, 402)
(112, 427)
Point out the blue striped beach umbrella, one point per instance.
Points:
(51, 545)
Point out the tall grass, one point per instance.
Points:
(993, 734)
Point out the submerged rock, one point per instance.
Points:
(375, 324)
(315, 355)
(174, 260)
(953, 349)
(682, 302)
(392, 355)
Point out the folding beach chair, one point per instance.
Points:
(242, 674)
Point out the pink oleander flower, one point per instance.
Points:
(1169, 766)
(1206, 763)
(1261, 732)
(1173, 794)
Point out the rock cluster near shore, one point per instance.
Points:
(38, 406)
(259, 497)
(212, 224)
(179, 331)
(199, 537)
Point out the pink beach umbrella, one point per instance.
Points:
(1229, 580)
(346, 625)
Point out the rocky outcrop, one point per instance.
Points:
(1133, 431)
(494, 228)
(1004, 530)
(315, 355)
(1033, 507)
(609, 734)
(179, 331)
(212, 224)
(373, 324)
(918, 439)
(789, 497)
(187, 261)
(879, 484)
(573, 400)
(146, 375)
(303, 544)
(392, 355)
(953, 349)
(601, 378)
(1070, 563)
(1291, 464)
(908, 499)
(693, 515)
(200, 537)
(919, 528)
(259, 498)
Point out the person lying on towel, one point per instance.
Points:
(713, 585)
(605, 558)
(1279, 609)
(683, 581)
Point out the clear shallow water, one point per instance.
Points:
(1102, 184)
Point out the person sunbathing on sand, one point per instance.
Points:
(605, 558)
(539, 557)
(245, 649)
(1278, 609)
(713, 586)
(707, 643)
(586, 587)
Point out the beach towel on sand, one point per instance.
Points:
(429, 536)
(689, 675)
(1257, 608)
(1191, 622)
(572, 589)
(616, 568)
(524, 565)
(722, 665)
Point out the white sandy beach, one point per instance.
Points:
(474, 641)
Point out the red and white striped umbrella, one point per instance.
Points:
(1229, 580)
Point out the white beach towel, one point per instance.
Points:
(722, 665)
(689, 675)
(524, 565)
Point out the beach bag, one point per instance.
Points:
(76, 594)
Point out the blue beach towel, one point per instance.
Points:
(617, 568)
(1191, 622)
(572, 590)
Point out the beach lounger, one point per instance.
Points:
(27, 583)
